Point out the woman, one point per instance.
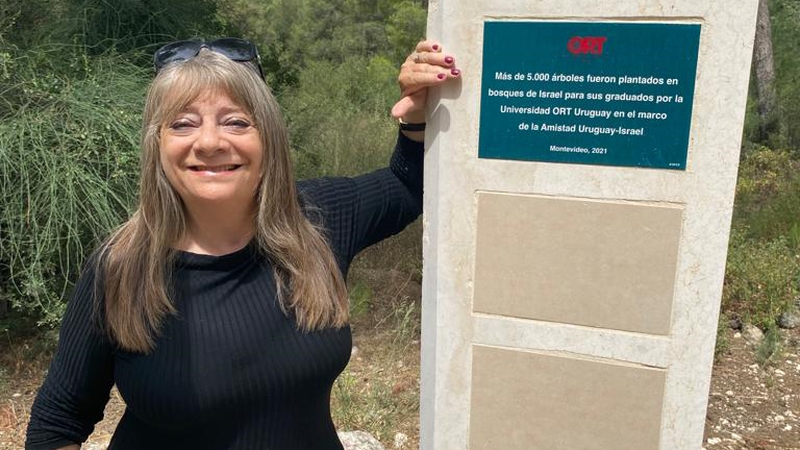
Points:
(219, 309)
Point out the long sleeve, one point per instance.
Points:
(77, 386)
(360, 211)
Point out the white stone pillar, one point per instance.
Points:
(573, 274)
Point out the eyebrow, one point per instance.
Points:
(221, 111)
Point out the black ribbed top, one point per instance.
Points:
(230, 370)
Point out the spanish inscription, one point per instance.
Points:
(590, 93)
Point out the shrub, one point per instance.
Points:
(68, 159)
(360, 135)
(761, 280)
(768, 194)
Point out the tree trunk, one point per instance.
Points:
(765, 72)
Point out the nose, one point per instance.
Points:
(210, 140)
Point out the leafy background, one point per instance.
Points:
(72, 80)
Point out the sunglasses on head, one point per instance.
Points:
(235, 49)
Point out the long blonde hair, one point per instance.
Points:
(135, 261)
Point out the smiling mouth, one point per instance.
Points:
(215, 169)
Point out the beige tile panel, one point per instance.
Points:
(530, 401)
(603, 264)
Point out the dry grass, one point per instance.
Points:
(379, 390)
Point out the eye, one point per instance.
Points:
(238, 123)
(181, 124)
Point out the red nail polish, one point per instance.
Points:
(455, 72)
(441, 76)
(436, 46)
(448, 59)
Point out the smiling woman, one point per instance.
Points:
(219, 309)
(211, 153)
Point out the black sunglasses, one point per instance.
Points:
(235, 49)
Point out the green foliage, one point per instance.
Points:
(125, 25)
(762, 279)
(73, 75)
(97, 26)
(769, 349)
(288, 33)
(405, 27)
(786, 49)
(293, 34)
(360, 296)
(750, 130)
(763, 271)
(359, 406)
(762, 275)
(27, 23)
(68, 159)
(338, 117)
(723, 342)
(768, 194)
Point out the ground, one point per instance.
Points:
(754, 402)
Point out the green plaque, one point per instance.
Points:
(605, 93)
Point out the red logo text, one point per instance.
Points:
(581, 45)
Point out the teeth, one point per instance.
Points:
(215, 168)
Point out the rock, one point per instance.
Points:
(789, 320)
(752, 334)
(359, 440)
(400, 440)
(735, 323)
(101, 445)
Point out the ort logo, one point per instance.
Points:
(581, 45)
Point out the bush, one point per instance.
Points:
(761, 280)
(68, 164)
(763, 270)
(768, 195)
(360, 135)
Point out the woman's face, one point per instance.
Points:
(211, 153)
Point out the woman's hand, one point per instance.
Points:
(427, 66)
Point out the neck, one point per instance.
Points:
(218, 230)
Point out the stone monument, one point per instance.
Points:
(579, 187)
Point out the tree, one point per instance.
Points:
(405, 27)
(765, 73)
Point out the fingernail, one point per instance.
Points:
(448, 59)
(441, 76)
(436, 46)
(455, 72)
